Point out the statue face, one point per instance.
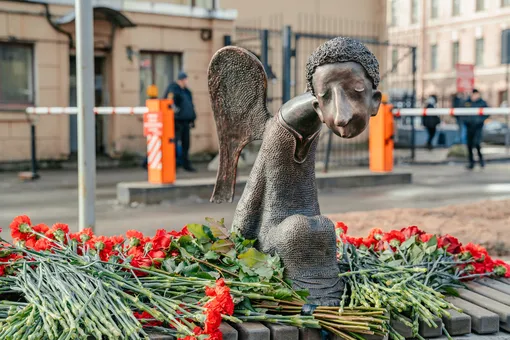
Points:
(345, 99)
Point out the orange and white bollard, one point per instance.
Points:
(380, 141)
(158, 127)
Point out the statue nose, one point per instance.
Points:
(343, 109)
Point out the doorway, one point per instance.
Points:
(101, 99)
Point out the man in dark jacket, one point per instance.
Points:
(185, 115)
(474, 127)
(431, 122)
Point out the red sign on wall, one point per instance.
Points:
(465, 77)
(153, 124)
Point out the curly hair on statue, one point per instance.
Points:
(340, 50)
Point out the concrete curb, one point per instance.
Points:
(147, 193)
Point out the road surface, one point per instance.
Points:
(54, 198)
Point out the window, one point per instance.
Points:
(479, 52)
(16, 74)
(455, 8)
(160, 69)
(505, 3)
(414, 11)
(455, 53)
(480, 5)
(434, 9)
(394, 14)
(433, 57)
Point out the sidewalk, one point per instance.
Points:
(441, 156)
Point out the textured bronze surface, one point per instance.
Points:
(279, 206)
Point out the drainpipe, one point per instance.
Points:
(56, 27)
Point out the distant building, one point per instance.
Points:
(138, 43)
(447, 32)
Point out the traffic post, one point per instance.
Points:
(380, 142)
(159, 129)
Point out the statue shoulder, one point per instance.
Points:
(299, 114)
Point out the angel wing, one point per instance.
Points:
(238, 92)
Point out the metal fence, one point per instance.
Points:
(284, 50)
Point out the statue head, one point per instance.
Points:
(343, 76)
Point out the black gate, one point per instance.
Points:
(284, 53)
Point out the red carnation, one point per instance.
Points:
(355, 241)
(475, 250)
(449, 242)
(394, 237)
(162, 239)
(144, 316)
(20, 228)
(341, 225)
(411, 231)
(376, 234)
(426, 237)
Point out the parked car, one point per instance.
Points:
(495, 132)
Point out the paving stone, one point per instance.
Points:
(229, 332)
(483, 321)
(431, 332)
(503, 280)
(494, 306)
(282, 332)
(489, 292)
(251, 331)
(495, 284)
(309, 334)
(457, 323)
(402, 328)
(496, 336)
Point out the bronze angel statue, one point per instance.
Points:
(279, 206)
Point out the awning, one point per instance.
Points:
(101, 13)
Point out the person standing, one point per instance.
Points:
(185, 116)
(474, 129)
(431, 122)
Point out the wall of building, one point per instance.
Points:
(446, 29)
(157, 30)
(158, 33)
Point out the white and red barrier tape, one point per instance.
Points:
(453, 111)
(139, 110)
(154, 154)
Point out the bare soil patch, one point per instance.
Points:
(485, 222)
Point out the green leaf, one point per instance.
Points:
(232, 254)
(283, 294)
(431, 245)
(450, 291)
(169, 265)
(191, 270)
(253, 258)
(395, 263)
(211, 255)
(223, 246)
(408, 243)
(303, 293)
(245, 304)
(248, 243)
(201, 232)
(179, 268)
(208, 276)
(264, 272)
(218, 228)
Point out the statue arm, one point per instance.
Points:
(300, 115)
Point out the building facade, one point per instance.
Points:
(447, 32)
(137, 43)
